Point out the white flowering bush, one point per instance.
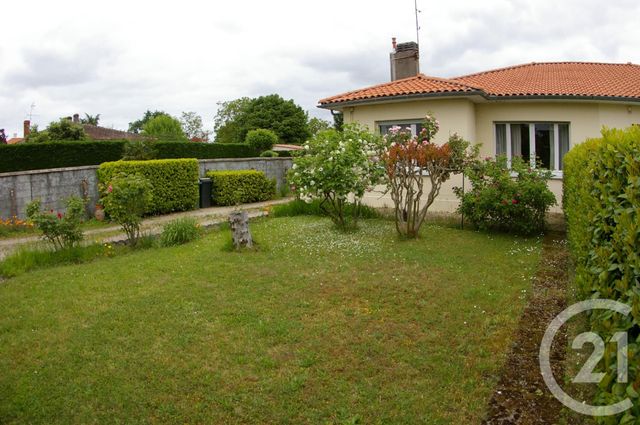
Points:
(335, 165)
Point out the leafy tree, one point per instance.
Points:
(164, 127)
(225, 123)
(272, 112)
(338, 120)
(64, 129)
(90, 119)
(316, 125)
(409, 159)
(192, 127)
(336, 165)
(136, 126)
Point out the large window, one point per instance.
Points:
(414, 125)
(541, 143)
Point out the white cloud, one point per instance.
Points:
(125, 57)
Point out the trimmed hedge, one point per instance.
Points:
(36, 156)
(602, 208)
(174, 181)
(242, 186)
(203, 150)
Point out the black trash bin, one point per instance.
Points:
(205, 193)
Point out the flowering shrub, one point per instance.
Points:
(335, 165)
(410, 160)
(126, 199)
(513, 199)
(61, 230)
(14, 225)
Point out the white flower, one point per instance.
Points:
(312, 182)
(294, 166)
(320, 169)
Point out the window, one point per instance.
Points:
(414, 125)
(544, 143)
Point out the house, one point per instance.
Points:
(95, 132)
(535, 110)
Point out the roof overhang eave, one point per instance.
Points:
(400, 98)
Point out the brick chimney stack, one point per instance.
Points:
(76, 118)
(26, 129)
(405, 60)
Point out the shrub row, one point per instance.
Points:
(35, 156)
(239, 187)
(174, 181)
(602, 208)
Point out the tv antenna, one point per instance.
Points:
(415, 2)
(31, 108)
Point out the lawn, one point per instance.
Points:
(315, 327)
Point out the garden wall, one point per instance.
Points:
(54, 185)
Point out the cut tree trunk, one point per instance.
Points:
(239, 221)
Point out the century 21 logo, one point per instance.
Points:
(587, 374)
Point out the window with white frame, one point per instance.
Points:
(414, 125)
(544, 143)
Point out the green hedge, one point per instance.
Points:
(203, 150)
(243, 186)
(602, 208)
(36, 156)
(174, 181)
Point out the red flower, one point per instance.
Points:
(514, 201)
(110, 189)
(59, 215)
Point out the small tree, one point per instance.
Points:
(137, 126)
(126, 199)
(192, 127)
(64, 129)
(90, 119)
(410, 160)
(61, 230)
(335, 166)
(261, 140)
(164, 127)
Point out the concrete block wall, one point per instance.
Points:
(274, 168)
(54, 186)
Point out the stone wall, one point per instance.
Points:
(53, 186)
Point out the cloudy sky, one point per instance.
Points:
(119, 58)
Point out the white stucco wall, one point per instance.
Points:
(474, 122)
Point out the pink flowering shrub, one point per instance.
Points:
(61, 230)
(512, 199)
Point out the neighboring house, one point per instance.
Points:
(103, 133)
(536, 111)
(15, 140)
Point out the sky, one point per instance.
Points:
(120, 58)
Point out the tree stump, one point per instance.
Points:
(239, 221)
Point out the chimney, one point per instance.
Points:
(26, 129)
(76, 118)
(405, 60)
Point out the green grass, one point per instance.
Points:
(313, 327)
(298, 207)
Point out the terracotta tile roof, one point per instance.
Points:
(102, 133)
(15, 140)
(578, 79)
(560, 79)
(283, 147)
(420, 84)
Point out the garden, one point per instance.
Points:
(325, 310)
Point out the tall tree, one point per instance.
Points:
(192, 127)
(164, 127)
(90, 119)
(136, 126)
(225, 123)
(272, 112)
(316, 125)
